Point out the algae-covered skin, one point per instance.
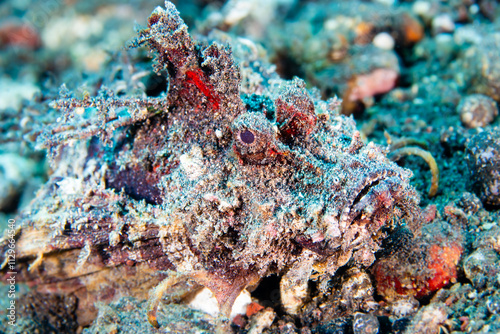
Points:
(235, 175)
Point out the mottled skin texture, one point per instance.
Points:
(182, 189)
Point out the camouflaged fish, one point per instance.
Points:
(232, 175)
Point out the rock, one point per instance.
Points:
(493, 303)
(443, 23)
(12, 93)
(19, 35)
(205, 301)
(481, 65)
(477, 110)
(404, 307)
(365, 324)
(384, 41)
(483, 159)
(356, 288)
(422, 265)
(15, 172)
(469, 203)
(482, 267)
(261, 321)
(429, 319)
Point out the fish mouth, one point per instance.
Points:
(381, 197)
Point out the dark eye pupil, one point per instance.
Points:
(247, 137)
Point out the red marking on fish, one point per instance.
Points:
(195, 78)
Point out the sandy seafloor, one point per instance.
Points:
(427, 71)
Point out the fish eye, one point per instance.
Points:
(254, 138)
(247, 137)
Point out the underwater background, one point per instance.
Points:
(285, 166)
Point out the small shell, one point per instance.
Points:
(295, 113)
(477, 110)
